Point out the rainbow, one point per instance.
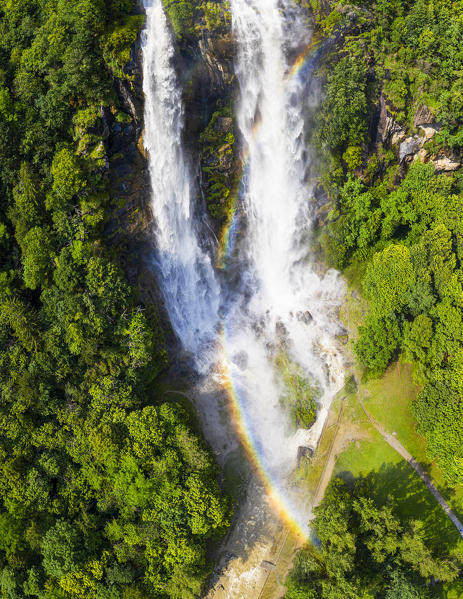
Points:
(277, 499)
(301, 65)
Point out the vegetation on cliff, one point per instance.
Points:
(190, 17)
(105, 491)
(390, 128)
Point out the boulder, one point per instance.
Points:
(304, 452)
(408, 147)
(304, 317)
(428, 132)
(447, 164)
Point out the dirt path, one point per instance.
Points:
(397, 445)
(330, 462)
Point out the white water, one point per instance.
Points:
(184, 269)
(288, 307)
(280, 304)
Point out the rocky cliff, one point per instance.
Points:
(205, 67)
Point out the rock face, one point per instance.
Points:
(209, 60)
(409, 147)
(205, 68)
(447, 164)
(388, 131)
(423, 116)
(129, 187)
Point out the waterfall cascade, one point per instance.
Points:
(280, 306)
(184, 269)
(288, 308)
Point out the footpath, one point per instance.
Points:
(400, 449)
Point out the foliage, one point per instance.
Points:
(118, 40)
(106, 492)
(402, 223)
(368, 550)
(344, 109)
(181, 14)
(219, 164)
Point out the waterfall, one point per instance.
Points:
(184, 269)
(282, 305)
(273, 311)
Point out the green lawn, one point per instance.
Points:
(383, 469)
(388, 400)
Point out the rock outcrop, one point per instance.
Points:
(205, 67)
(388, 131)
(409, 147)
(447, 164)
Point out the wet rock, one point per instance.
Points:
(281, 330)
(223, 124)
(129, 101)
(122, 170)
(408, 148)
(304, 452)
(241, 360)
(106, 116)
(305, 317)
(344, 339)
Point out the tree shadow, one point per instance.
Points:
(401, 485)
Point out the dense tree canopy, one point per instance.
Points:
(399, 220)
(106, 492)
(366, 549)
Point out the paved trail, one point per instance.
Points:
(395, 444)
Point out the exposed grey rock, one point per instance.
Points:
(304, 452)
(241, 360)
(105, 119)
(128, 100)
(396, 133)
(409, 147)
(305, 317)
(389, 132)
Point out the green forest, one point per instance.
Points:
(395, 230)
(106, 491)
(398, 226)
(368, 549)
